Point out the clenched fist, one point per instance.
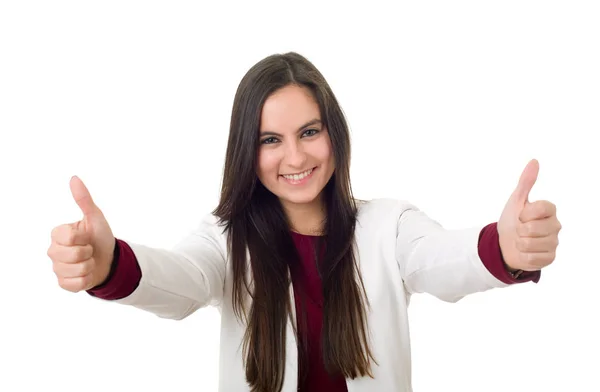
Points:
(82, 252)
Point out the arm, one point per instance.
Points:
(169, 283)
(449, 264)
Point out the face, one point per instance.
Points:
(295, 158)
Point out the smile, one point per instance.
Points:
(298, 178)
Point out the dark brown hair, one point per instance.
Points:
(256, 222)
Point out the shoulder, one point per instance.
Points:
(208, 233)
(211, 223)
(388, 208)
(394, 215)
(379, 216)
(210, 226)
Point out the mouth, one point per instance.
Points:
(298, 178)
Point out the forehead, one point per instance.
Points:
(287, 109)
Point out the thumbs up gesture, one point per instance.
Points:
(528, 232)
(82, 252)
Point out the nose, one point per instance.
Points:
(295, 156)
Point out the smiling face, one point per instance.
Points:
(295, 157)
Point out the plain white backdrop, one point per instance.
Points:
(447, 101)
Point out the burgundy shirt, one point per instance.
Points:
(125, 276)
(308, 298)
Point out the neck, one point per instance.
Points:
(306, 218)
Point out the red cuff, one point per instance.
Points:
(491, 255)
(125, 275)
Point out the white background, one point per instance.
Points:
(447, 101)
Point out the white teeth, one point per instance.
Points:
(297, 177)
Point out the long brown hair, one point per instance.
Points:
(256, 222)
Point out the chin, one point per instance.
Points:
(298, 198)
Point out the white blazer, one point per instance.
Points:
(401, 251)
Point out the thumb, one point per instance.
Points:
(526, 182)
(82, 197)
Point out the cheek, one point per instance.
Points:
(325, 152)
(268, 165)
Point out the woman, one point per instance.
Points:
(313, 285)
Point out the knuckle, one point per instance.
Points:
(550, 209)
(77, 270)
(56, 269)
(51, 251)
(60, 270)
(547, 259)
(79, 253)
(524, 243)
(73, 284)
(88, 251)
(524, 258)
(53, 233)
(540, 210)
(57, 232)
(519, 244)
(85, 268)
(529, 243)
(75, 236)
(78, 283)
(67, 284)
(85, 282)
(528, 258)
(69, 236)
(544, 260)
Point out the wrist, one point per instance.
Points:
(107, 270)
(514, 272)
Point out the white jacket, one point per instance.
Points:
(401, 251)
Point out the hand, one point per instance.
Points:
(528, 232)
(82, 252)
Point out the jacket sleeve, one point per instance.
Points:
(446, 263)
(175, 282)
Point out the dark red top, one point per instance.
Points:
(308, 297)
(125, 276)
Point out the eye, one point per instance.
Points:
(269, 140)
(310, 132)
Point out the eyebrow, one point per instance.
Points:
(308, 124)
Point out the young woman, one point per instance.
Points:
(313, 285)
